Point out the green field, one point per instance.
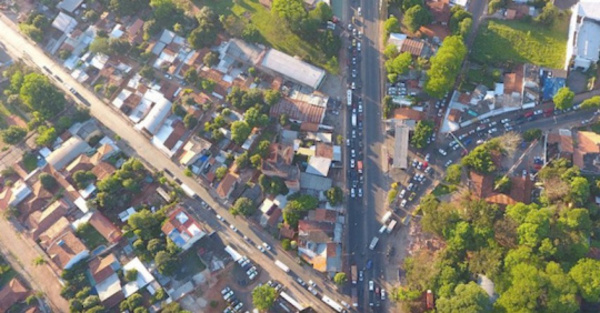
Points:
(511, 42)
(272, 29)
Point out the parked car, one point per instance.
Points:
(371, 285)
(442, 152)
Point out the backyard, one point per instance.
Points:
(511, 42)
(243, 12)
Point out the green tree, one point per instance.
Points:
(13, 134)
(580, 190)
(40, 95)
(464, 27)
(466, 298)
(242, 160)
(263, 297)
(145, 224)
(563, 99)
(33, 32)
(532, 134)
(454, 173)
(127, 7)
(203, 36)
(457, 15)
(272, 96)
(391, 25)
(445, 66)
(83, 178)
(240, 130)
(221, 172)
(415, 17)
(390, 51)
(585, 274)
(191, 76)
(147, 72)
(340, 278)
(190, 121)
(400, 64)
(47, 136)
(593, 102)
(407, 4)
(243, 206)
(423, 131)
(165, 263)
(334, 195)
(548, 15)
(211, 59)
(480, 160)
(255, 118)
(322, 12)
(291, 11)
(131, 275)
(256, 160)
(100, 45)
(48, 181)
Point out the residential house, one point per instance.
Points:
(561, 143)
(194, 149)
(13, 196)
(278, 163)
(59, 227)
(135, 32)
(416, 47)
(319, 241)
(40, 221)
(67, 152)
(586, 154)
(38, 199)
(170, 136)
(440, 11)
(583, 44)
(69, 5)
(227, 185)
(319, 166)
(298, 111)
(143, 278)
(105, 227)
(105, 280)
(182, 229)
(316, 183)
(151, 112)
(397, 39)
(237, 50)
(482, 186)
(64, 22)
(532, 86)
(12, 293)
(513, 86)
(66, 250)
(278, 63)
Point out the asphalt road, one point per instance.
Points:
(20, 47)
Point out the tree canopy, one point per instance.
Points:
(240, 130)
(399, 65)
(415, 17)
(563, 99)
(466, 298)
(423, 131)
(334, 195)
(445, 66)
(40, 95)
(263, 297)
(13, 134)
(243, 206)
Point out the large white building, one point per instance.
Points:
(583, 45)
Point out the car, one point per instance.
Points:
(504, 121)
(410, 186)
(481, 127)
(360, 192)
(425, 165)
(238, 307)
(359, 11)
(220, 218)
(358, 45)
(492, 130)
(428, 170)
(537, 112)
(353, 134)
(312, 283)
(448, 163)
(524, 173)
(361, 277)
(348, 142)
(382, 294)
(351, 163)
(261, 249)
(377, 290)
(471, 132)
(412, 196)
(369, 264)
(485, 121)
(371, 285)
(427, 157)
(353, 83)
(359, 34)
(507, 127)
(402, 193)
(225, 291)
(414, 163)
(228, 295)
(462, 136)
(313, 290)
(492, 124)
(353, 153)
(354, 73)
(360, 108)
(251, 270)
(442, 152)
(349, 26)
(233, 228)
(352, 193)
(247, 239)
(419, 165)
(403, 203)
(264, 244)
(301, 282)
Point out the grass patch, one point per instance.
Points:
(90, 236)
(272, 29)
(189, 265)
(6, 273)
(443, 189)
(511, 42)
(29, 162)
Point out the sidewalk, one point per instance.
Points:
(20, 252)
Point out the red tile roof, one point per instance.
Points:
(454, 115)
(414, 47)
(440, 10)
(177, 134)
(65, 248)
(12, 293)
(102, 268)
(226, 185)
(408, 114)
(298, 110)
(103, 225)
(481, 185)
(513, 82)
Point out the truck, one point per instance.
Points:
(386, 217)
(349, 97)
(353, 119)
(353, 271)
(359, 166)
(282, 266)
(391, 226)
(354, 297)
(374, 242)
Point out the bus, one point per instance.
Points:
(349, 96)
(334, 305)
(291, 301)
(282, 266)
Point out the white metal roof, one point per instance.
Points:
(160, 110)
(293, 68)
(70, 5)
(64, 23)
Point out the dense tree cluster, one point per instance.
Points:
(398, 65)
(243, 206)
(263, 297)
(334, 195)
(40, 95)
(34, 26)
(445, 66)
(118, 188)
(563, 99)
(460, 21)
(423, 131)
(298, 205)
(416, 16)
(480, 158)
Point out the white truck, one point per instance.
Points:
(353, 119)
(386, 217)
(282, 266)
(373, 243)
(349, 97)
(391, 226)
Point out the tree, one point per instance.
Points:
(13, 134)
(190, 121)
(255, 118)
(291, 11)
(165, 263)
(532, 134)
(548, 15)
(127, 7)
(334, 195)
(147, 72)
(391, 25)
(271, 97)
(480, 160)
(145, 224)
(593, 102)
(322, 12)
(40, 95)
(263, 297)
(240, 130)
(340, 278)
(243, 206)
(400, 64)
(445, 66)
(464, 27)
(407, 4)
(390, 51)
(585, 274)
(242, 160)
(454, 173)
(423, 131)
(131, 275)
(256, 160)
(563, 99)
(191, 76)
(580, 190)
(100, 45)
(221, 172)
(83, 178)
(47, 136)
(458, 14)
(202, 36)
(48, 181)
(466, 298)
(211, 59)
(415, 17)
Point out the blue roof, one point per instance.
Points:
(176, 238)
(550, 86)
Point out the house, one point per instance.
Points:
(237, 50)
(440, 11)
(532, 86)
(38, 199)
(135, 32)
(435, 31)
(194, 149)
(397, 39)
(67, 152)
(319, 243)
(66, 250)
(583, 44)
(182, 229)
(105, 280)
(69, 5)
(169, 137)
(586, 154)
(408, 114)
(62, 225)
(81, 163)
(104, 227)
(160, 109)
(12, 197)
(482, 186)
(298, 111)
(40, 221)
(103, 170)
(110, 291)
(318, 166)
(563, 142)
(143, 277)
(64, 22)
(278, 163)
(227, 185)
(293, 69)
(11, 294)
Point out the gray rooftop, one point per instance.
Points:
(293, 69)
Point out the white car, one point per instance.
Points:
(402, 193)
(358, 46)
(371, 285)
(225, 291)
(351, 163)
(352, 193)
(442, 152)
(220, 218)
(360, 192)
(382, 294)
(537, 112)
(359, 11)
(261, 249)
(427, 157)
(233, 228)
(360, 108)
(504, 121)
(448, 163)
(348, 142)
(492, 130)
(266, 246)
(403, 203)
(360, 276)
(353, 153)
